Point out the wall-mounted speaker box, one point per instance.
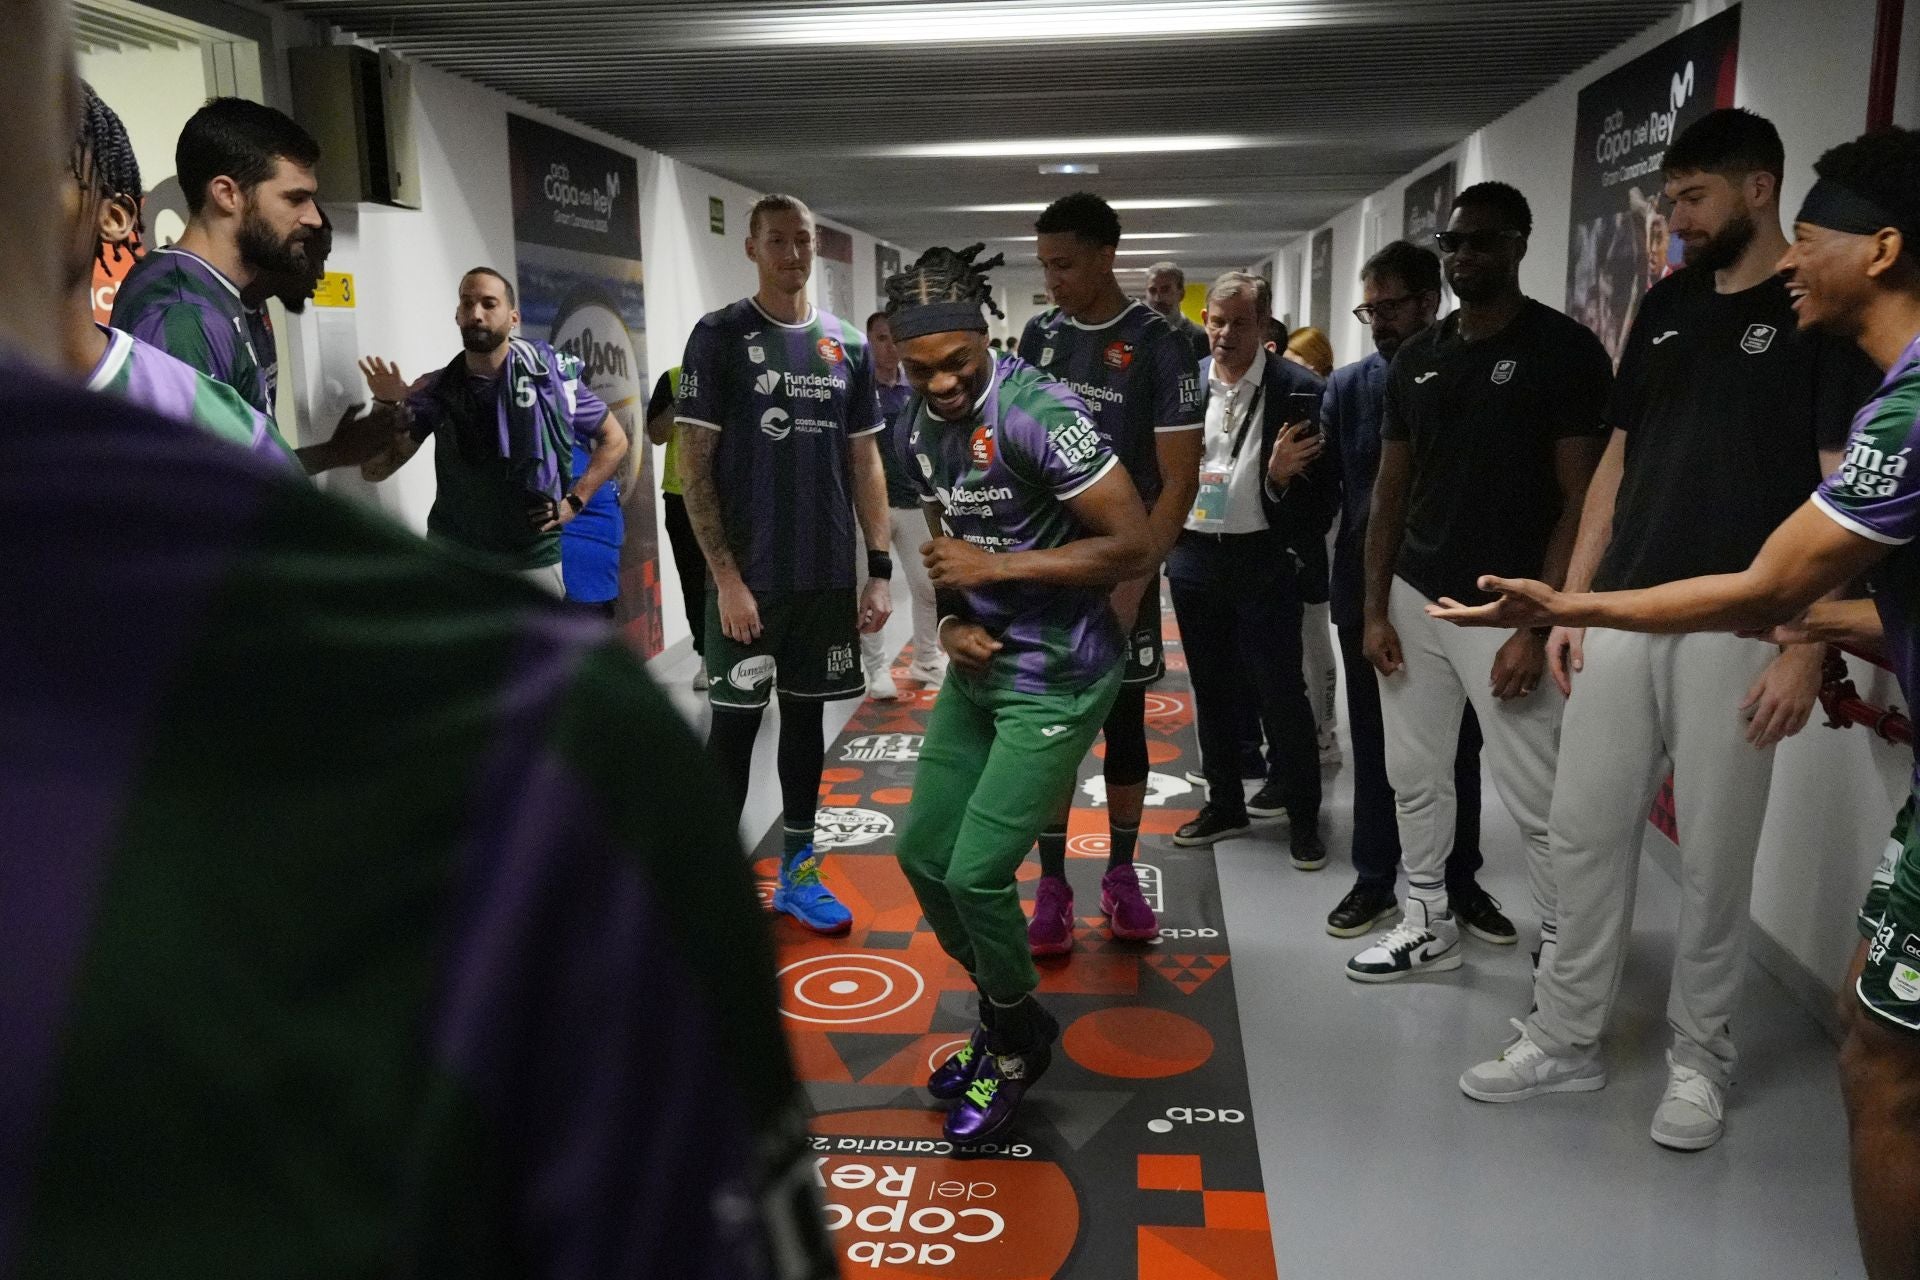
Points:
(358, 105)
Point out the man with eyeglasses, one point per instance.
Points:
(1400, 286)
(1492, 429)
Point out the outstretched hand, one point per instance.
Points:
(383, 379)
(1522, 603)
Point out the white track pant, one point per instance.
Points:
(1645, 704)
(1320, 665)
(1446, 668)
(909, 532)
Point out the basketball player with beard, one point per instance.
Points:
(1723, 418)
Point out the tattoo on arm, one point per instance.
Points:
(697, 445)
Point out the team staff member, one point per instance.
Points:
(688, 564)
(1143, 388)
(506, 413)
(779, 439)
(1235, 590)
(1853, 269)
(1400, 296)
(1719, 414)
(1492, 429)
(247, 173)
(1166, 286)
(907, 525)
(1032, 523)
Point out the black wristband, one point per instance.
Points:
(950, 604)
(575, 501)
(879, 564)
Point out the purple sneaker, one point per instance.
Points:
(1128, 914)
(994, 1095)
(951, 1078)
(1050, 932)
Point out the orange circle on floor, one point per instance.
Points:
(893, 795)
(841, 775)
(1137, 1044)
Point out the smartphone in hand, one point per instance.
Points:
(1304, 406)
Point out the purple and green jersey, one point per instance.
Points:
(1136, 374)
(1000, 479)
(356, 913)
(149, 377)
(787, 399)
(1876, 494)
(183, 305)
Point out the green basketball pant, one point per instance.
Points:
(995, 768)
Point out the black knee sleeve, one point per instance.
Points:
(1126, 731)
(730, 746)
(803, 752)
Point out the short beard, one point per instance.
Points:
(1722, 249)
(482, 342)
(266, 252)
(1486, 290)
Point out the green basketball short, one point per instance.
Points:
(809, 647)
(1889, 986)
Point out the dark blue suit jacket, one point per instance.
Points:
(1350, 414)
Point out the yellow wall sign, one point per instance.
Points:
(335, 290)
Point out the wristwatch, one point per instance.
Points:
(575, 501)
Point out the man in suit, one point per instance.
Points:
(1235, 591)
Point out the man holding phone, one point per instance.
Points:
(1235, 593)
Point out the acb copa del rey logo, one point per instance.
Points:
(914, 1217)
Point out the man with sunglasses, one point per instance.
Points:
(1492, 429)
(1400, 291)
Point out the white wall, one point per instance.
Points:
(1803, 66)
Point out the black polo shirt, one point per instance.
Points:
(1483, 420)
(1725, 404)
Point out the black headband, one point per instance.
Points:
(919, 320)
(1841, 208)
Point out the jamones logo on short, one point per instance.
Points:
(751, 673)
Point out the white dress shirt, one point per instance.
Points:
(1227, 408)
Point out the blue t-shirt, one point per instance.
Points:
(590, 542)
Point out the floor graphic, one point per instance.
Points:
(1136, 1155)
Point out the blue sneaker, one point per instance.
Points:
(801, 895)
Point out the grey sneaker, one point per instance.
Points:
(1526, 1070)
(1692, 1116)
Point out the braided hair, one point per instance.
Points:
(104, 165)
(944, 275)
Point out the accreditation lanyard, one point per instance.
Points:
(1210, 504)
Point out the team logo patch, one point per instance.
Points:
(839, 660)
(926, 465)
(1758, 338)
(767, 383)
(830, 351)
(751, 673)
(776, 424)
(847, 828)
(1119, 355)
(1078, 444)
(980, 448)
(757, 354)
(1046, 355)
(1503, 372)
(884, 748)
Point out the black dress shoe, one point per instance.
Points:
(1365, 906)
(1214, 823)
(1309, 851)
(1269, 801)
(1479, 914)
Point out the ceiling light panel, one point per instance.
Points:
(1012, 22)
(1040, 206)
(1021, 147)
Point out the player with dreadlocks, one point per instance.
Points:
(102, 204)
(1033, 523)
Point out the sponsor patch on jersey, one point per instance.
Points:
(1758, 338)
(926, 465)
(775, 424)
(1905, 982)
(1046, 355)
(767, 382)
(981, 448)
(1503, 372)
(1119, 355)
(831, 351)
(757, 354)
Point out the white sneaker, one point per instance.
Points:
(700, 679)
(880, 686)
(1415, 945)
(1692, 1115)
(1330, 756)
(929, 678)
(1526, 1070)
(1196, 777)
